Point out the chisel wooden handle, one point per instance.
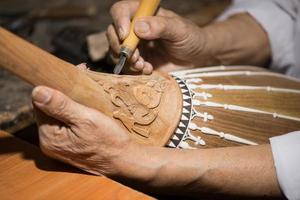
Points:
(41, 68)
(146, 8)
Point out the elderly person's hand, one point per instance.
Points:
(176, 42)
(76, 134)
(89, 140)
(171, 42)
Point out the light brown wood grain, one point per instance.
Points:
(98, 90)
(255, 127)
(25, 173)
(41, 68)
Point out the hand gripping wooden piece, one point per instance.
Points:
(148, 107)
(197, 108)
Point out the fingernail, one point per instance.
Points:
(121, 33)
(41, 95)
(82, 66)
(142, 27)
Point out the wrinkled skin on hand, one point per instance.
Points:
(76, 134)
(89, 140)
(170, 42)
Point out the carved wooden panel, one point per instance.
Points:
(142, 104)
(148, 107)
(210, 107)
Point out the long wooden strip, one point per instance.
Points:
(38, 67)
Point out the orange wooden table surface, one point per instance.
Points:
(25, 173)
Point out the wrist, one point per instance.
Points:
(161, 170)
(201, 46)
(133, 163)
(209, 48)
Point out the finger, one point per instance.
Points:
(112, 57)
(148, 68)
(122, 12)
(132, 69)
(135, 56)
(165, 13)
(113, 39)
(41, 118)
(45, 123)
(55, 104)
(50, 129)
(82, 66)
(155, 27)
(139, 65)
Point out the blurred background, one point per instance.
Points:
(73, 30)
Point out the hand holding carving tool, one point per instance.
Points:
(146, 8)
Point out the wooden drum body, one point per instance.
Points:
(228, 106)
(205, 107)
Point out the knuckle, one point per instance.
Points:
(109, 33)
(45, 143)
(165, 12)
(58, 131)
(181, 24)
(110, 29)
(114, 8)
(43, 132)
(162, 22)
(112, 57)
(112, 36)
(89, 120)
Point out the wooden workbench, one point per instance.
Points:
(25, 173)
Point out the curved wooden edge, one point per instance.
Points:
(148, 106)
(169, 109)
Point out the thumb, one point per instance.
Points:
(157, 27)
(55, 104)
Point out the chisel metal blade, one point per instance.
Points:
(119, 66)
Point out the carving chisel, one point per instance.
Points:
(146, 8)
